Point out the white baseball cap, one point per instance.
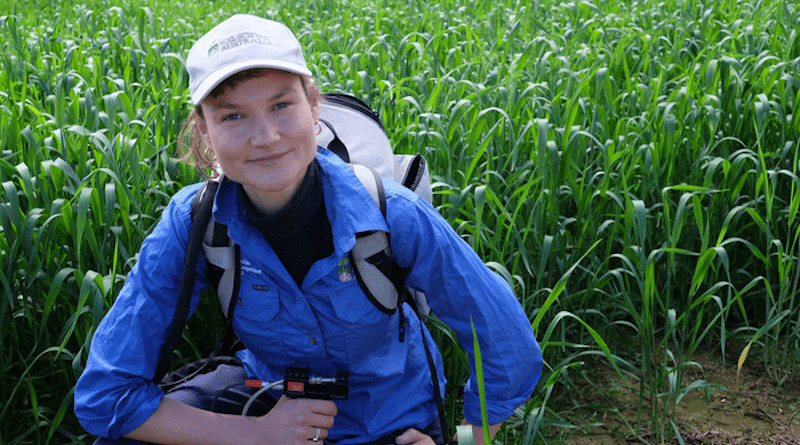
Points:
(237, 44)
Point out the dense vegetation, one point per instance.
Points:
(630, 167)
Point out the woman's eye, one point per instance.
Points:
(281, 105)
(232, 117)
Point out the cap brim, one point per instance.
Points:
(211, 82)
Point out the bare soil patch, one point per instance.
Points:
(752, 410)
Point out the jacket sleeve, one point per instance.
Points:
(115, 393)
(461, 289)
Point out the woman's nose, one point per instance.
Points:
(264, 133)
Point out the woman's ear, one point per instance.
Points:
(315, 110)
(314, 97)
(202, 128)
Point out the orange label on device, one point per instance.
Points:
(296, 386)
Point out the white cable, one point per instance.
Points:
(258, 393)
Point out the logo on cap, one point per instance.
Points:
(243, 38)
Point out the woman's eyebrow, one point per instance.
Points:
(228, 105)
(224, 105)
(284, 92)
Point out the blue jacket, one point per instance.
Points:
(327, 324)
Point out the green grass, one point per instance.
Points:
(631, 168)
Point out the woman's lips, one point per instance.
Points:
(268, 159)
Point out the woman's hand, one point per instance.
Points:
(414, 437)
(296, 422)
(290, 422)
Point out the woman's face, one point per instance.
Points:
(262, 133)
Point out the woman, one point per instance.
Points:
(294, 211)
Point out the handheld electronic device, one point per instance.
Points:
(299, 383)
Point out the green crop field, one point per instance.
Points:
(630, 167)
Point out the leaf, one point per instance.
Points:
(62, 411)
(704, 263)
(559, 287)
(742, 358)
(767, 326)
(677, 432)
(595, 335)
(54, 292)
(481, 388)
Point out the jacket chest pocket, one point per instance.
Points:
(256, 319)
(365, 329)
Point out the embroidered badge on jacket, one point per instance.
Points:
(345, 271)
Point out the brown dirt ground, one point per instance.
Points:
(752, 410)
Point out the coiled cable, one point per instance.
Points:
(264, 387)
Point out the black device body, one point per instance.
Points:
(299, 383)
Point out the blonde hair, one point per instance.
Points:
(190, 142)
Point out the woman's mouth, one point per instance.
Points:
(267, 159)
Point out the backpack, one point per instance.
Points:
(354, 132)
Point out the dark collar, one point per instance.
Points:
(292, 218)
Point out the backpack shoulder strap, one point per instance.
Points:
(371, 181)
(378, 275)
(201, 213)
(375, 268)
(223, 269)
(224, 266)
(377, 272)
(221, 253)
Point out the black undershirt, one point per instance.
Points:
(300, 233)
